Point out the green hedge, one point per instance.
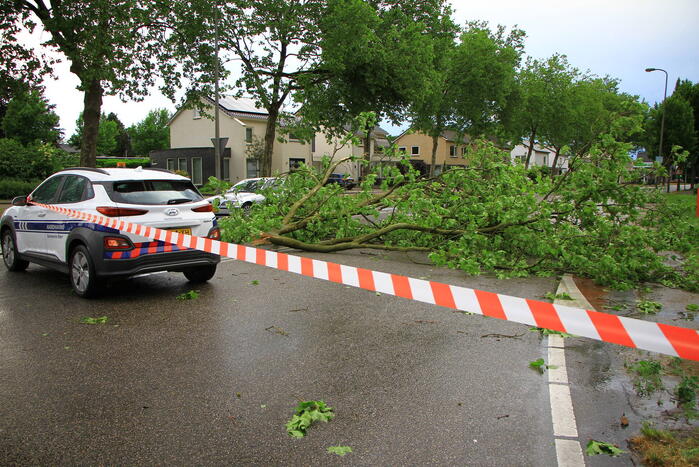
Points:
(11, 187)
(131, 162)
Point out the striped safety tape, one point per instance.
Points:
(656, 337)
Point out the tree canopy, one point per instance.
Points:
(29, 118)
(151, 133)
(114, 48)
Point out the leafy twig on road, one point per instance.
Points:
(88, 320)
(308, 412)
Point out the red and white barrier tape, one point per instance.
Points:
(656, 337)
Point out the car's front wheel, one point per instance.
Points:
(82, 273)
(200, 274)
(9, 253)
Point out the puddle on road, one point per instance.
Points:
(603, 368)
(596, 295)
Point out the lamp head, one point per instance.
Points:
(650, 69)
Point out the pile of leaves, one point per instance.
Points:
(306, 413)
(489, 216)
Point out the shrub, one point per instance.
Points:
(10, 187)
(34, 161)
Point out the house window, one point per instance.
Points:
(415, 151)
(452, 151)
(197, 175)
(546, 161)
(196, 113)
(463, 151)
(171, 165)
(248, 135)
(402, 149)
(182, 164)
(313, 144)
(226, 173)
(252, 168)
(295, 163)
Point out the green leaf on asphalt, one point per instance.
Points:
(308, 412)
(255, 282)
(191, 295)
(340, 450)
(598, 447)
(88, 320)
(550, 332)
(557, 296)
(539, 365)
(647, 307)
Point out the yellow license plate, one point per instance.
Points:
(182, 230)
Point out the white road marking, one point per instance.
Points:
(568, 451)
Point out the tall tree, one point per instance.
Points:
(123, 142)
(151, 133)
(21, 69)
(537, 83)
(468, 84)
(365, 51)
(487, 60)
(276, 43)
(30, 118)
(690, 92)
(107, 133)
(115, 47)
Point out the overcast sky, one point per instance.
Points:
(619, 38)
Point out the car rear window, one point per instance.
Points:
(154, 192)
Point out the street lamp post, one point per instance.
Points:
(662, 120)
(217, 132)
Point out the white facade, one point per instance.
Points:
(541, 156)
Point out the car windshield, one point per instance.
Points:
(249, 186)
(154, 192)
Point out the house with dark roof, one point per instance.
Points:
(243, 126)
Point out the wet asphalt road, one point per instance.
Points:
(212, 381)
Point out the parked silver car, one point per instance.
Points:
(243, 194)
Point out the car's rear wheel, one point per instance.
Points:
(200, 274)
(247, 208)
(9, 253)
(82, 273)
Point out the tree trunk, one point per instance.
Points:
(555, 163)
(364, 168)
(270, 136)
(532, 135)
(91, 123)
(435, 141)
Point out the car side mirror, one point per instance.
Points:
(19, 201)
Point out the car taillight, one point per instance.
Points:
(206, 208)
(214, 233)
(120, 212)
(117, 243)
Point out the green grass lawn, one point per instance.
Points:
(688, 202)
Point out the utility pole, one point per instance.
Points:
(662, 126)
(217, 130)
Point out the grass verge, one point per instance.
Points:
(667, 448)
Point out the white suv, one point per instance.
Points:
(91, 253)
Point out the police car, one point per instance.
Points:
(92, 253)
